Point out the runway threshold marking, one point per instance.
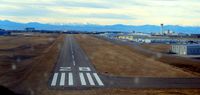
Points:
(55, 76)
(70, 81)
(62, 79)
(98, 79)
(91, 81)
(91, 78)
(83, 82)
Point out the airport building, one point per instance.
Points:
(195, 35)
(132, 36)
(191, 49)
(29, 29)
(4, 33)
(127, 37)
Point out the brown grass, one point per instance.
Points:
(9, 57)
(185, 64)
(37, 79)
(119, 60)
(16, 41)
(163, 48)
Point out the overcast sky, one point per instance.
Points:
(104, 12)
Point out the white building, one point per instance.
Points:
(191, 49)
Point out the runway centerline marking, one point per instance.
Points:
(98, 79)
(70, 81)
(74, 62)
(83, 82)
(62, 79)
(90, 79)
(55, 76)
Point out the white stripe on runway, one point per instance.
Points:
(70, 81)
(90, 79)
(62, 79)
(98, 79)
(82, 79)
(54, 80)
(84, 69)
(72, 56)
(65, 69)
(74, 62)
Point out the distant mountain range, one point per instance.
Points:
(10, 25)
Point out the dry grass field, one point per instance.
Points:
(119, 60)
(36, 82)
(17, 54)
(163, 48)
(186, 64)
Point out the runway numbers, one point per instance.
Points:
(67, 79)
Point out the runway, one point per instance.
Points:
(73, 68)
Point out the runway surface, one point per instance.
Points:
(73, 68)
(75, 71)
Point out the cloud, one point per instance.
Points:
(81, 4)
(28, 12)
(102, 16)
(137, 12)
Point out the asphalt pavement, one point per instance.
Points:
(73, 69)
